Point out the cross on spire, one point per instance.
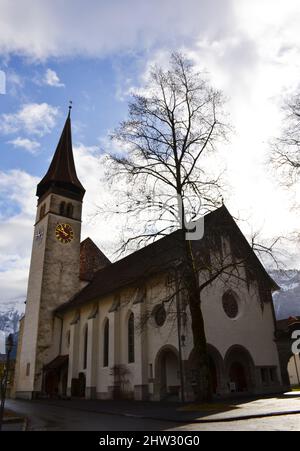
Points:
(70, 107)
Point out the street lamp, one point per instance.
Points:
(8, 348)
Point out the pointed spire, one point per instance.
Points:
(61, 177)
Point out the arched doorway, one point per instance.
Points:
(237, 376)
(52, 383)
(216, 367)
(55, 377)
(167, 373)
(240, 370)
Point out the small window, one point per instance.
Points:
(85, 347)
(28, 369)
(42, 211)
(264, 375)
(106, 344)
(70, 210)
(273, 375)
(131, 338)
(169, 280)
(62, 208)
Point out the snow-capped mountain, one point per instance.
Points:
(9, 320)
(10, 314)
(287, 300)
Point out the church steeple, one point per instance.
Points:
(61, 177)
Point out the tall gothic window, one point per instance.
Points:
(70, 210)
(62, 208)
(68, 338)
(131, 338)
(42, 211)
(106, 343)
(85, 347)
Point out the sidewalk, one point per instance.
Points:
(12, 422)
(223, 411)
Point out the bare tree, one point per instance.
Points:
(285, 155)
(173, 127)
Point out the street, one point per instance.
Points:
(62, 416)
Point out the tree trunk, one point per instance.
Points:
(203, 376)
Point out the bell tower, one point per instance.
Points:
(54, 268)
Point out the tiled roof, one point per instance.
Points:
(61, 176)
(91, 259)
(161, 256)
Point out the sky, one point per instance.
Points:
(95, 53)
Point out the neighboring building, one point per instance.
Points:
(102, 330)
(290, 363)
(294, 370)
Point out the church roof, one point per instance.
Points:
(91, 259)
(61, 176)
(162, 255)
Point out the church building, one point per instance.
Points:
(104, 330)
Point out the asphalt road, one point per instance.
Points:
(44, 417)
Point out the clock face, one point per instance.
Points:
(64, 233)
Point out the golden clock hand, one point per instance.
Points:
(62, 230)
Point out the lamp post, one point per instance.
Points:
(8, 348)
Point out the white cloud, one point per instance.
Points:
(74, 27)
(102, 228)
(17, 213)
(27, 144)
(52, 79)
(33, 118)
(252, 51)
(17, 207)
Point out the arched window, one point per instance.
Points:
(70, 210)
(106, 343)
(131, 338)
(62, 208)
(42, 211)
(85, 347)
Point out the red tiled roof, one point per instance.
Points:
(91, 259)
